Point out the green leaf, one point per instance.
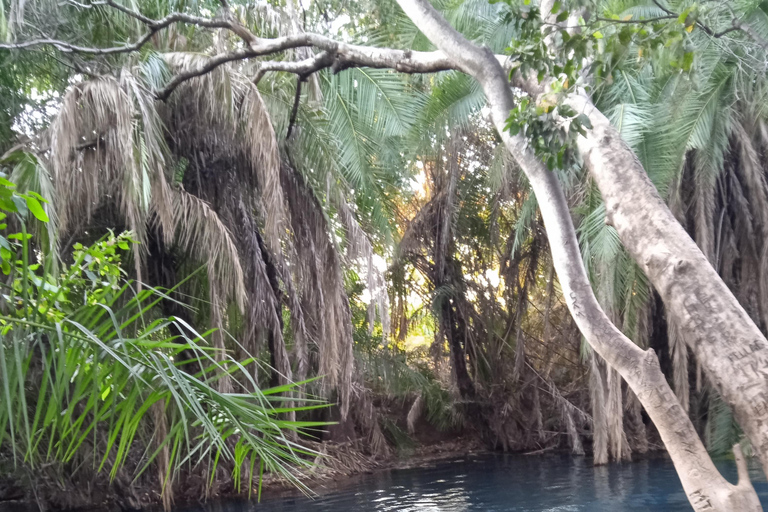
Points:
(584, 121)
(597, 35)
(562, 16)
(687, 61)
(37, 196)
(36, 209)
(625, 35)
(19, 205)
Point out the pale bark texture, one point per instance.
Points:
(723, 337)
(720, 333)
(705, 487)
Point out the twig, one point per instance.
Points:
(641, 21)
(295, 109)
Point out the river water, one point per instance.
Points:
(496, 483)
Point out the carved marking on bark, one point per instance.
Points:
(700, 500)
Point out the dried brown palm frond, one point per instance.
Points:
(107, 147)
(337, 358)
(233, 156)
(749, 165)
(92, 148)
(414, 413)
(359, 248)
(617, 440)
(260, 140)
(261, 313)
(573, 435)
(571, 416)
(319, 275)
(367, 416)
(200, 231)
(704, 191)
(418, 233)
(209, 99)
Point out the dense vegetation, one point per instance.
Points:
(207, 272)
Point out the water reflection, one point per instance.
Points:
(494, 483)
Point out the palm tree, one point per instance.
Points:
(204, 178)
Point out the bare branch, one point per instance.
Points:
(84, 6)
(736, 25)
(303, 67)
(295, 109)
(633, 22)
(335, 54)
(154, 27)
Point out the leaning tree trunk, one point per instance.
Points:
(695, 296)
(718, 330)
(721, 334)
(705, 487)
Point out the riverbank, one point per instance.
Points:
(337, 462)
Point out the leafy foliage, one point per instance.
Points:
(88, 366)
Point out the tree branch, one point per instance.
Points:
(736, 25)
(154, 26)
(295, 109)
(335, 54)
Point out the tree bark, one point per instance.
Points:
(705, 487)
(718, 330)
(700, 303)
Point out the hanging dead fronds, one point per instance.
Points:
(319, 272)
(359, 248)
(260, 140)
(414, 413)
(200, 231)
(92, 152)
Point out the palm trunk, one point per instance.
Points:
(455, 331)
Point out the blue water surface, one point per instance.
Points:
(498, 482)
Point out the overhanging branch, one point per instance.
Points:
(335, 55)
(153, 27)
